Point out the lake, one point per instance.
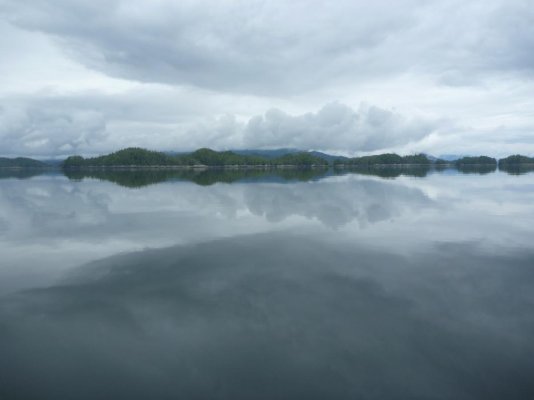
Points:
(390, 284)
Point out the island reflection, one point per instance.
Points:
(517, 169)
(205, 177)
(140, 177)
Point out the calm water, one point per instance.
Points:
(228, 285)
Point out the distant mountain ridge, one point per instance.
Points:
(450, 157)
(21, 162)
(270, 153)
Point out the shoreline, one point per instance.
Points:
(190, 167)
(201, 167)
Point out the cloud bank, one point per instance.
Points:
(57, 125)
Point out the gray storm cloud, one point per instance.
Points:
(253, 47)
(285, 47)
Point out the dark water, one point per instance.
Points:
(391, 284)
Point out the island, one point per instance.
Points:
(480, 160)
(389, 159)
(202, 158)
(476, 165)
(516, 164)
(386, 165)
(516, 160)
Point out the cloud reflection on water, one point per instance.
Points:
(277, 315)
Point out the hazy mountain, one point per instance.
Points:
(328, 157)
(21, 162)
(273, 153)
(451, 157)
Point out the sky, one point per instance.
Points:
(347, 77)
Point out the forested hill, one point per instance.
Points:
(516, 160)
(21, 162)
(417, 159)
(383, 159)
(141, 157)
(480, 160)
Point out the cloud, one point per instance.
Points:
(28, 129)
(92, 123)
(286, 47)
(252, 46)
(336, 127)
(53, 123)
(230, 74)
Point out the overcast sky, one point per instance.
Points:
(349, 77)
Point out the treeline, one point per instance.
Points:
(206, 157)
(21, 162)
(515, 160)
(480, 160)
(141, 157)
(383, 159)
(392, 159)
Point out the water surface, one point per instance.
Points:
(241, 284)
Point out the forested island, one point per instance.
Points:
(516, 164)
(383, 159)
(479, 165)
(211, 158)
(515, 160)
(391, 159)
(137, 157)
(480, 160)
